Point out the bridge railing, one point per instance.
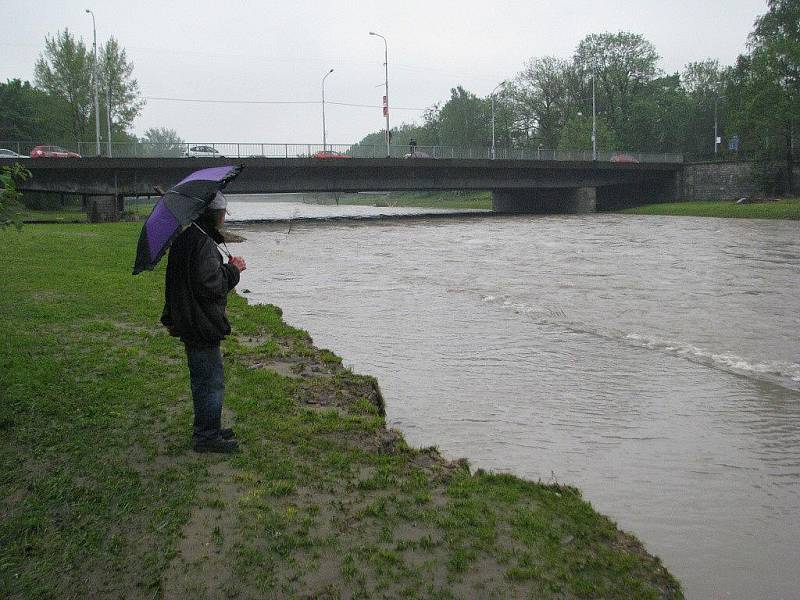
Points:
(295, 150)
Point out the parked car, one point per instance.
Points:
(329, 154)
(623, 158)
(202, 152)
(53, 152)
(6, 153)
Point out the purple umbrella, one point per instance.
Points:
(176, 210)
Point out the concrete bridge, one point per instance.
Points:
(519, 186)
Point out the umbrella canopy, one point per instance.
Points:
(176, 210)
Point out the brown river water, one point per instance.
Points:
(653, 362)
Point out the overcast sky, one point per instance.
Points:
(251, 50)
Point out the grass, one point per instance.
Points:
(100, 495)
(66, 215)
(445, 199)
(778, 209)
(72, 214)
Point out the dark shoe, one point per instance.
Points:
(227, 434)
(216, 445)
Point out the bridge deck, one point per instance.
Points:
(132, 176)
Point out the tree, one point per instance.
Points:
(430, 125)
(702, 78)
(162, 141)
(703, 83)
(540, 95)
(622, 63)
(464, 120)
(505, 120)
(32, 115)
(118, 85)
(577, 134)
(775, 75)
(658, 117)
(9, 177)
(64, 70)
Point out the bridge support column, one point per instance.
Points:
(545, 200)
(103, 209)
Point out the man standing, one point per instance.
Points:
(196, 293)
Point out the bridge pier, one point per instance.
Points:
(103, 209)
(545, 200)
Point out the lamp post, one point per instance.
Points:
(386, 82)
(323, 110)
(108, 110)
(594, 123)
(716, 135)
(96, 99)
(493, 91)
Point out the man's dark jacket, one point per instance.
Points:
(196, 290)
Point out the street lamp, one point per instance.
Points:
(108, 110)
(493, 91)
(716, 135)
(594, 123)
(323, 109)
(386, 97)
(96, 100)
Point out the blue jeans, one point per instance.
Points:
(208, 388)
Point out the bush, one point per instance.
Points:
(9, 176)
(770, 177)
(46, 201)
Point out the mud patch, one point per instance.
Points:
(284, 368)
(202, 566)
(355, 394)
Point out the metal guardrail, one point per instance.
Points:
(272, 150)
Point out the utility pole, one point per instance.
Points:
(493, 91)
(96, 99)
(108, 110)
(594, 123)
(386, 82)
(323, 110)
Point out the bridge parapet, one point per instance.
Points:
(239, 150)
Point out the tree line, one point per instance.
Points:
(548, 103)
(59, 107)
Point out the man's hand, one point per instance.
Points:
(238, 262)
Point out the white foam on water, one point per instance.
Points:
(775, 371)
(782, 373)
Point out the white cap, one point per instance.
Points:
(219, 202)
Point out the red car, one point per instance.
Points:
(329, 154)
(52, 152)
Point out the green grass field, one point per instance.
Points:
(780, 209)
(445, 199)
(101, 496)
(72, 214)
